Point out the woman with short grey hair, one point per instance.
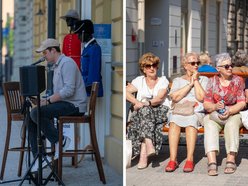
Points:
(223, 100)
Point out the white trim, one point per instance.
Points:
(124, 88)
(86, 9)
(189, 39)
(207, 25)
(141, 26)
(220, 27)
(141, 21)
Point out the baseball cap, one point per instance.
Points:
(72, 14)
(46, 44)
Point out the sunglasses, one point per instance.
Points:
(154, 65)
(226, 66)
(193, 63)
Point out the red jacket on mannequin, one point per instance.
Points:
(72, 47)
(72, 44)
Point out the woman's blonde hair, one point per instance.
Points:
(148, 58)
(204, 58)
(186, 57)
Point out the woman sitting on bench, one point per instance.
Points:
(150, 110)
(186, 93)
(223, 101)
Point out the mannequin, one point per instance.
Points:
(91, 58)
(71, 43)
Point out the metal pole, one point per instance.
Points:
(51, 18)
(51, 34)
(1, 46)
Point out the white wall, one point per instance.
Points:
(157, 31)
(224, 10)
(196, 26)
(174, 36)
(131, 47)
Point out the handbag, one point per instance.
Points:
(184, 109)
(215, 117)
(128, 153)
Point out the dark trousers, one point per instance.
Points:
(47, 115)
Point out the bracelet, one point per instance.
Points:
(190, 85)
(49, 101)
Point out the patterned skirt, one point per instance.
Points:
(147, 122)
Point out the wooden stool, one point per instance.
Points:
(14, 102)
(90, 119)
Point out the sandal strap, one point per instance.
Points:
(230, 164)
(172, 164)
(213, 163)
(212, 166)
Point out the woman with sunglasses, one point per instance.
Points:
(187, 88)
(150, 109)
(223, 101)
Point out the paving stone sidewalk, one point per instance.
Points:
(156, 176)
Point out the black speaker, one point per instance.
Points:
(32, 80)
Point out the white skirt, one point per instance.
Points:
(185, 121)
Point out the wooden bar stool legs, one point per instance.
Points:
(14, 103)
(23, 141)
(97, 153)
(84, 119)
(6, 149)
(95, 150)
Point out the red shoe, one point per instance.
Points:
(189, 166)
(171, 166)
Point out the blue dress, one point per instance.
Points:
(91, 61)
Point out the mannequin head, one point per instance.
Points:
(84, 29)
(70, 22)
(71, 17)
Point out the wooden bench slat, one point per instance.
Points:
(242, 130)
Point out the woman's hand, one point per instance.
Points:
(138, 105)
(225, 115)
(194, 77)
(219, 105)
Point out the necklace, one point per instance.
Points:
(147, 85)
(150, 91)
(150, 85)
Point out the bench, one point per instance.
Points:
(242, 130)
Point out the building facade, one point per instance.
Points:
(237, 26)
(31, 27)
(174, 27)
